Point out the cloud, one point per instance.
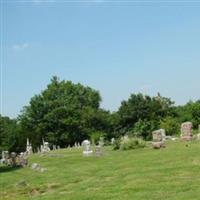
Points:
(20, 47)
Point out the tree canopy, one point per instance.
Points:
(65, 113)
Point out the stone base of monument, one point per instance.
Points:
(158, 145)
(186, 138)
(87, 153)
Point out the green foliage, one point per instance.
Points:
(127, 143)
(141, 114)
(94, 136)
(116, 144)
(171, 125)
(144, 128)
(64, 113)
(189, 112)
(11, 137)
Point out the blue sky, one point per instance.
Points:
(117, 48)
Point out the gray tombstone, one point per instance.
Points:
(22, 160)
(186, 131)
(13, 156)
(158, 138)
(38, 150)
(98, 150)
(101, 141)
(54, 147)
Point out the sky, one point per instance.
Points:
(115, 47)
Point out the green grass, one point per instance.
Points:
(171, 173)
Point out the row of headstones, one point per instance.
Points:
(159, 136)
(44, 148)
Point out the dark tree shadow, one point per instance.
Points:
(4, 169)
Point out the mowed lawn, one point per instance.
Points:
(143, 174)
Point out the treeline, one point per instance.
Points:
(65, 113)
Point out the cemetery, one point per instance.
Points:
(99, 100)
(95, 171)
(83, 152)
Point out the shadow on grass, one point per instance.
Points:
(4, 169)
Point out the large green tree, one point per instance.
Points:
(11, 137)
(62, 114)
(140, 114)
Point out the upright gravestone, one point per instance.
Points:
(112, 141)
(198, 135)
(163, 134)
(101, 141)
(13, 156)
(186, 131)
(45, 147)
(22, 160)
(28, 147)
(86, 148)
(98, 150)
(158, 138)
(54, 147)
(4, 157)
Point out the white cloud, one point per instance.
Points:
(20, 47)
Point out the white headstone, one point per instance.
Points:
(112, 140)
(5, 156)
(45, 147)
(28, 147)
(86, 148)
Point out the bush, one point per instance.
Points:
(144, 128)
(116, 144)
(95, 136)
(126, 143)
(171, 126)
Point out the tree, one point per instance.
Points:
(64, 113)
(11, 138)
(189, 112)
(142, 111)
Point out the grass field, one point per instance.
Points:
(144, 174)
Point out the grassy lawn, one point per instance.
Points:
(171, 173)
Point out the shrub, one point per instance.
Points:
(95, 136)
(171, 126)
(116, 144)
(144, 128)
(126, 143)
